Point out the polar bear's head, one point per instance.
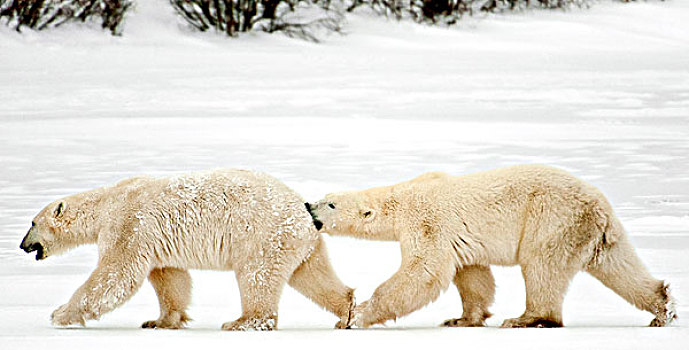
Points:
(351, 214)
(57, 228)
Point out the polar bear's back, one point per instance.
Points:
(213, 219)
(225, 188)
(511, 203)
(519, 179)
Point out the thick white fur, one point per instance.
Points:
(161, 227)
(451, 229)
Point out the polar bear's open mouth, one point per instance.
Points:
(38, 248)
(316, 222)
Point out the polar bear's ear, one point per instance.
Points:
(58, 210)
(368, 214)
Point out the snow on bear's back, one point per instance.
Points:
(207, 215)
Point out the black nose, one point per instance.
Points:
(308, 206)
(29, 247)
(25, 244)
(318, 224)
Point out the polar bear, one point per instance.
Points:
(160, 227)
(452, 228)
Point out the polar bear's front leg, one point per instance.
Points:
(173, 287)
(112, 283)
(418, 282)
(476, 286)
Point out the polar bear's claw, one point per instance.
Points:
(149, 324)
(172, 320)
(161, 325)
(530, 322)
(251, 324)
(463, 322)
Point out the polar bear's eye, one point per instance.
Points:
(332, 206)
(367, 214)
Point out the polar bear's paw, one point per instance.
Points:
(463, 322)
(252, 324)
(665, 319)
(67, 315)
(342, 324)
(667, 312)
(173, 320)
(530, 322)
(345, 321)
(362, 316)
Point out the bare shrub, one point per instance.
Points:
(297, 18)
(42, 14)
(512, 5)
(450, 11)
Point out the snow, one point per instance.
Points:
(602, 92)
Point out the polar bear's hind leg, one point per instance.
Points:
(620, 269)
(316, 279)
(260, 291)
(546, 284)
(173, 287)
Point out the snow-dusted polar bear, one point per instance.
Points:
(452, 228)
(161, 227)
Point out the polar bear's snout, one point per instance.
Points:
(316, 222)
(30, 244)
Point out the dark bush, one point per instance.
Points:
(440, 11)
(42, 14)
(502, 5)
(450, 11)
(389, 8)
(297, 18)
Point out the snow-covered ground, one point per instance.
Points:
(602, 92)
